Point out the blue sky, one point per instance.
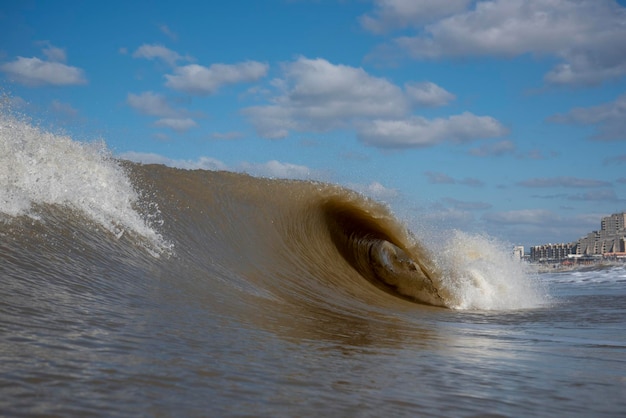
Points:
(505, 116)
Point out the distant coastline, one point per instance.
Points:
(604, 246)
(600, 264)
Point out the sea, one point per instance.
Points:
(131, 290)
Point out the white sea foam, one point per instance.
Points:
(38, 167)
(481, 273)
(598, 274)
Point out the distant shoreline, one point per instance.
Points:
(558, 267)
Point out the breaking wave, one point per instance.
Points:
(76, 210)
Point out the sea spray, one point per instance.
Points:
(480, 272)
(39, 168)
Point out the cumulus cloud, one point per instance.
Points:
(428, 94)
(608, 118)
(563, 181)
(273, 121)
(316, 95)
(200, 80)
(160, 52)
(586, 36)
(35, 72)
(417, 131)
(319, 96)
(395, 14)
(152, 104)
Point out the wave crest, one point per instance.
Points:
(39, 168)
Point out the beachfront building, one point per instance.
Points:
(550, 253)
(609, 239)
(614, 224)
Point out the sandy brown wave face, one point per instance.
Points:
(295, 239)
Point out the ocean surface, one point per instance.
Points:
(142, 290)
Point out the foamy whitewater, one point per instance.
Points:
(141, 290)
(40, 168)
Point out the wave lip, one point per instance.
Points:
(39, 168)
(480, 273)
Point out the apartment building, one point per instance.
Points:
(610, 239)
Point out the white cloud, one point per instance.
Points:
(316, 95)
(276, 169)
(200, 80)
(55, 54)
(273, 122)
(428, 94)
(204, 163)
(153, 104)
(177, 124)
(609, 118)
(35, 72)
(272, 169)
(421, 132)
(158, 51)
(150, 103)
(323, 91)
(586, 35)
(375, 190)
(168, 32)
(396, 14)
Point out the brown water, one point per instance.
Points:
(132, 290)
